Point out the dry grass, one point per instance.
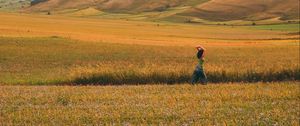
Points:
(56, 60)
(226, 10)
(129, 50)
(229, 104)
(128, 32)
(128, 6)
(157, 53)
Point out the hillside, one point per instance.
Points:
(199, 11)
(128, 6)
(224, 10)
(13, 5)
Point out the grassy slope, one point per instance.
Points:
(182, 11)
(13, 5)
(220, 10)
(122, 31)
(130, 9)
(230, 104)
(131, 6)
(263, 12)
(280, 27)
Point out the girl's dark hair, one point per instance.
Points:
(200, 53)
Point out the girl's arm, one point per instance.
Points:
(199, 47)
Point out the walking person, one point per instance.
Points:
(199, 73)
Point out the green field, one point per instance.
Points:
(228, 104)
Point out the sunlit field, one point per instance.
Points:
(57, 60)
(59, 70)
(228, 104)
(39, 49)
(131, 32)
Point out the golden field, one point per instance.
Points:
(52, 60)
(37, 49)
(93, 51)
(129, 32)
(228, 104)
(253, 72)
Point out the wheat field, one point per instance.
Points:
(42, 61)
(131, 32)
(58, 70)
(228, 104)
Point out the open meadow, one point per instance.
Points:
(53, 70)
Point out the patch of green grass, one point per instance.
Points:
(13, 5)
(230, 104)
(279, 27)
(194, 2)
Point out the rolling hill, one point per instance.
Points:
(224, 10)
(13, 5)
(169, 10)
(124, 6)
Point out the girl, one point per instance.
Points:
(199, 70)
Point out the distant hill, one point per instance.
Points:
(125, 6)
(223, 10)
(169, 10)
(13, 5)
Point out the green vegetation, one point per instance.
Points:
(228, 104)
(280, 27)
(194, 2)
(13, 5)
(56, 60)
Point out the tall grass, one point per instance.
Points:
(57, 60)
(104, 75)
(229, 104)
